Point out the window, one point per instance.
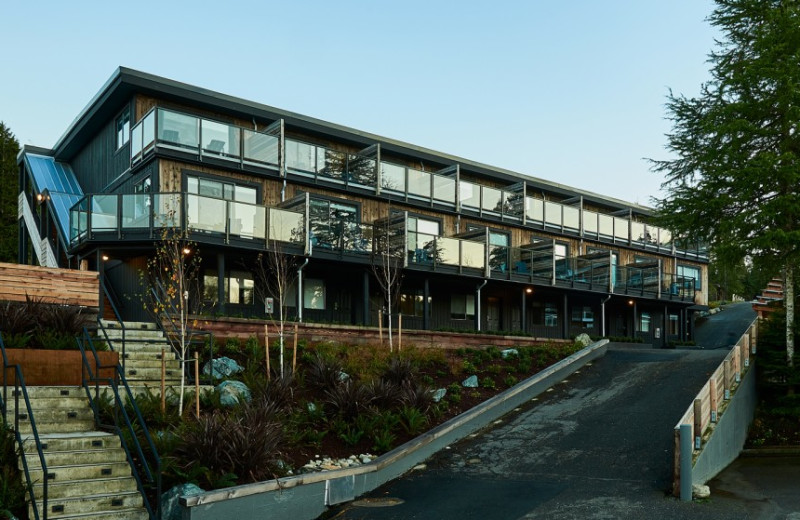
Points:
(239, 287)
(123, 128)
(314, 294)
(689, 271)
(550, 315)
(421, 235)
(674, 321)
(644, 322)
(583, 317)
(462, 307)
(412, 304)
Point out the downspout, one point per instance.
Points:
(603, 316)
(300, 291)
(478, 303)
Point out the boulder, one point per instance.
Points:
(221, 368)
(507, 353)
(583, 340)
(232, 393)
(170, 508)
(439, 394)
(700, 491)
(470, 382)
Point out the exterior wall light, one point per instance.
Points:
(529, 290)
(105, 258)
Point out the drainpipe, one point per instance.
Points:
(603, 315)
(300, 291)
(478, 304)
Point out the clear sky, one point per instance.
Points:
(572, 92)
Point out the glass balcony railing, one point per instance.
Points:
(163, 127)
(146, 214)
(170, 129)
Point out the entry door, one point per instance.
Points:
(493, 319)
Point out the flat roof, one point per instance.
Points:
(126, 82)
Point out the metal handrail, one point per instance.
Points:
(89, 377)
(20, 388)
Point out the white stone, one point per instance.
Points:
(583, 340)
(700, 491)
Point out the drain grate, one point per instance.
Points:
(378, 502)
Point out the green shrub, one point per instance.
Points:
(510, 381)
(488, 383)
(412, 420)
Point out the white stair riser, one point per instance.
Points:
(64, 458)
(76, 488)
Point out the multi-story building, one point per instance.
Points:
(480, 247)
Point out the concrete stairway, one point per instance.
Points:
(87, 472)
(143, 345)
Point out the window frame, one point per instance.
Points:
(122, 135)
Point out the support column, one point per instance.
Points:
(101, 272)
(565, 325)
(523, 319)
(366, 317)
(426, 306)
(221, 283)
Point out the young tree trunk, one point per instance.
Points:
(788, 298)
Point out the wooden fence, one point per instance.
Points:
(52, 285)
(712, 400)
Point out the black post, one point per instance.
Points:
(426, 306)
(366, 317)
(565, 326)
(523, 319)
(221, 282)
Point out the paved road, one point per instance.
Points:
(598, 446)
(722, 330)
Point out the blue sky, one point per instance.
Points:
(572, 92)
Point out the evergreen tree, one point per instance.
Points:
(736, 178)
(9, 189)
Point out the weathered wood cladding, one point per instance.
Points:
(145, 103)
(98, 163)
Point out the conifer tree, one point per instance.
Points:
(9, 190)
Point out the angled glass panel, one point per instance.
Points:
(393, 177)
(470, 195)
(552, 213)
(512, 204)
(178, 129)
(572, 218)
(361, 170)
(248, 220)
(260, 148)
(286, 226)
(136, 142)
(664, 238)
(167, 209)
(492, 199)
(136, 210)
(301, 157)
(419, 183)
(104, 212)
(206, 213)
(148, 131)
(473, 254)
(534, 209)
(444, 189)
(621, 228)
(448, 250)
(333, 165)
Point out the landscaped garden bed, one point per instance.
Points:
(340, 401)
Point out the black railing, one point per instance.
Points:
(20, 389)
(101, 329)
(144, 459)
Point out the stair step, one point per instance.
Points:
(139, 513)
(67, 507)
(52, 391)
(150, 373)
(67, 415)
(83, 471)
(138, 363)
(130, 324)
(76, 488)
(73, 441)
(149, 355)
(50, 403)
(59, 426)
(64, 458)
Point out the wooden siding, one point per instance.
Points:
(68, 286)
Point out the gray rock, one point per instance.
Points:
(700, 491)
(583, 340)
(509, 352)
(439, 394)
(221, 368)
(470, 382)
(232, 393)
(170, 509)
(343, 376)
(311, 407)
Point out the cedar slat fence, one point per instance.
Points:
(713, 398)
(52, 285)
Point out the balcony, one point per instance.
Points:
(182, 134)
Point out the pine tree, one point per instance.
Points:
(9, 189)
(736, 178)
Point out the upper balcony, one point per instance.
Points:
(365, 171)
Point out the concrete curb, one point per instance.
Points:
(307, 496)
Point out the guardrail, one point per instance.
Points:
(21, 390)
(707, 408)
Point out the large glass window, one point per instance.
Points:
(123, 128)
(690, 271)
(313, 294)
(412, 303)
(674, 325)
(583, 316)
(462, 306)
(644, 322)
(550, 315)
(239, 287)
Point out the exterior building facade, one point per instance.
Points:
(480, 248)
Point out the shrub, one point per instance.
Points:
(399, 371)
(323, 372)
(12, 490)
(66, 320)
(412, 420)
(510, 381)
(347, 399)
(488, 383)
(382, 393)
(416, 396)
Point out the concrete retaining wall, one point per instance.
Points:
(307, 496)
(728, 437)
